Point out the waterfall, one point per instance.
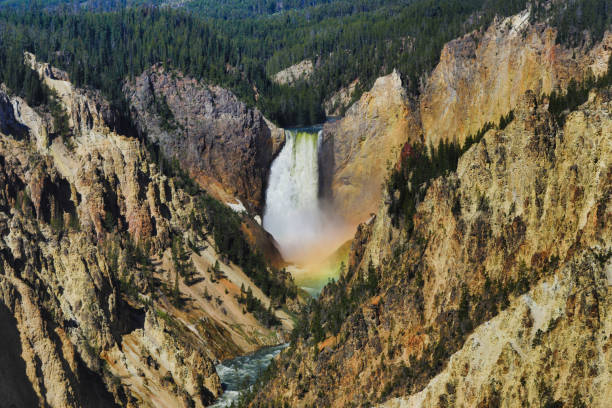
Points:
(292, 214)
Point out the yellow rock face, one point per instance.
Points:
(365, 144)
(501, 293)
(479, 78)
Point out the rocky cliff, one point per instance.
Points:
(480, 78)
(357, 151)
(548, 234)
(225, 145)
(112, 289)
(499, 292)
(551, 346)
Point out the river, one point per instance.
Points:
(241, 372)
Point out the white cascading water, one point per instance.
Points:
(292, 214)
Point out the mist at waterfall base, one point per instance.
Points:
(304, 228)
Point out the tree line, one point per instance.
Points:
(102, 50)
(242, 49)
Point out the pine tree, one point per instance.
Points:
(217, 270)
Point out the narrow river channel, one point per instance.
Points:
(241, 372)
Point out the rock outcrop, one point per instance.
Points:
(340, 100)
(225, 145)
(87, 109)
(528, 207)
(87, 309)
(300, 71)
(356, 151)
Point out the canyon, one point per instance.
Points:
(146, 269)
(505, 268)
(527, 207)
(90, 321)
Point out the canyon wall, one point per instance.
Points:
(223, 144)
(520, 231)
(358, 150)
(479, 78)
(92, 309)
(551, 346)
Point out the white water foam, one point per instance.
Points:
(238, 374)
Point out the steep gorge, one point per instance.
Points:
(123, 282)
(114, 287)
(526, 204)
(514, 247)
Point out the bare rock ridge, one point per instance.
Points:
(334, 104)
(479, 78)
(85, 319)
(515, 244)
(294, 73)
(224, 145)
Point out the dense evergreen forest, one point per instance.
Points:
(237, 9)
(241, 44)
(350, 42)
